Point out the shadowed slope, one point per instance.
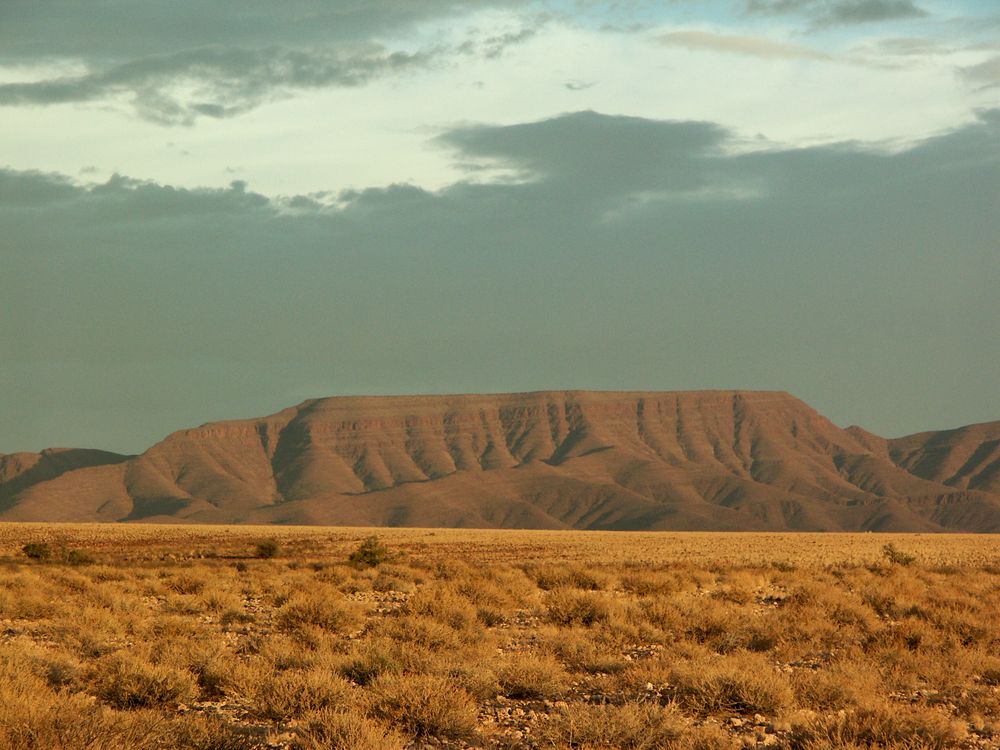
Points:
(967, 457)
(576, 459)
(19, 471)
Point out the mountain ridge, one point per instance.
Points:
(718, 459)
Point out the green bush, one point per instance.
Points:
(79, 557)
(897, 556)
(267, 548)
(37, 550)
(370, 552)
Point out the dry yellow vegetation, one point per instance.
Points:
(232, 638)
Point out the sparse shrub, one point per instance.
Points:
(209, 733)
(834, 688)
(212, 671)
(318, 610)
(896, 556)
(182, 605)
(335, 729)
(267, 548)
(221, 601)
(424, 705)
(235, 617)
(531, 677)
(580, 654)
(549, 577)
(37, 551)
(79, 557)
(443, 604)
(291, 694)
(651, 582)
(370, 553)
(877, 726)
(128, 682)
(186, 583)
(384, 582)
(742, 682)
(469, 671)
(568, 607)
(497, 589)
(490, 617)
(58, 670)
(369, 662)
(632, 726)
(33, 717)
(425, 633)
(709, 621)
(991, 676)
(281, 652)
(707, 737)
(749, 635)
(664, 613)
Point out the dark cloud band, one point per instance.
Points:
(837, 12)
(221, 82)
(637, 253)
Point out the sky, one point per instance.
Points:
(215, 209)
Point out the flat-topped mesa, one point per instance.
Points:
(584, 459)
(377, 442)
(356, 445)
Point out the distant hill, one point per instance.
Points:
(725, 460)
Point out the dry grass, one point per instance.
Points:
(191, 638)
(342, 730)
(424, 705)
(740, 683)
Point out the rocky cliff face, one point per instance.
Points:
(689, 460)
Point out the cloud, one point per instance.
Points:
(492, 46)
(116, 30)
(177, 88)
(840, 12)
(986, 74)
(905, 46)
(639, 254)
(34, 188)
(221, 59)
(741, 45)
(587, 147)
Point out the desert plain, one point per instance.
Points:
(226, 637)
